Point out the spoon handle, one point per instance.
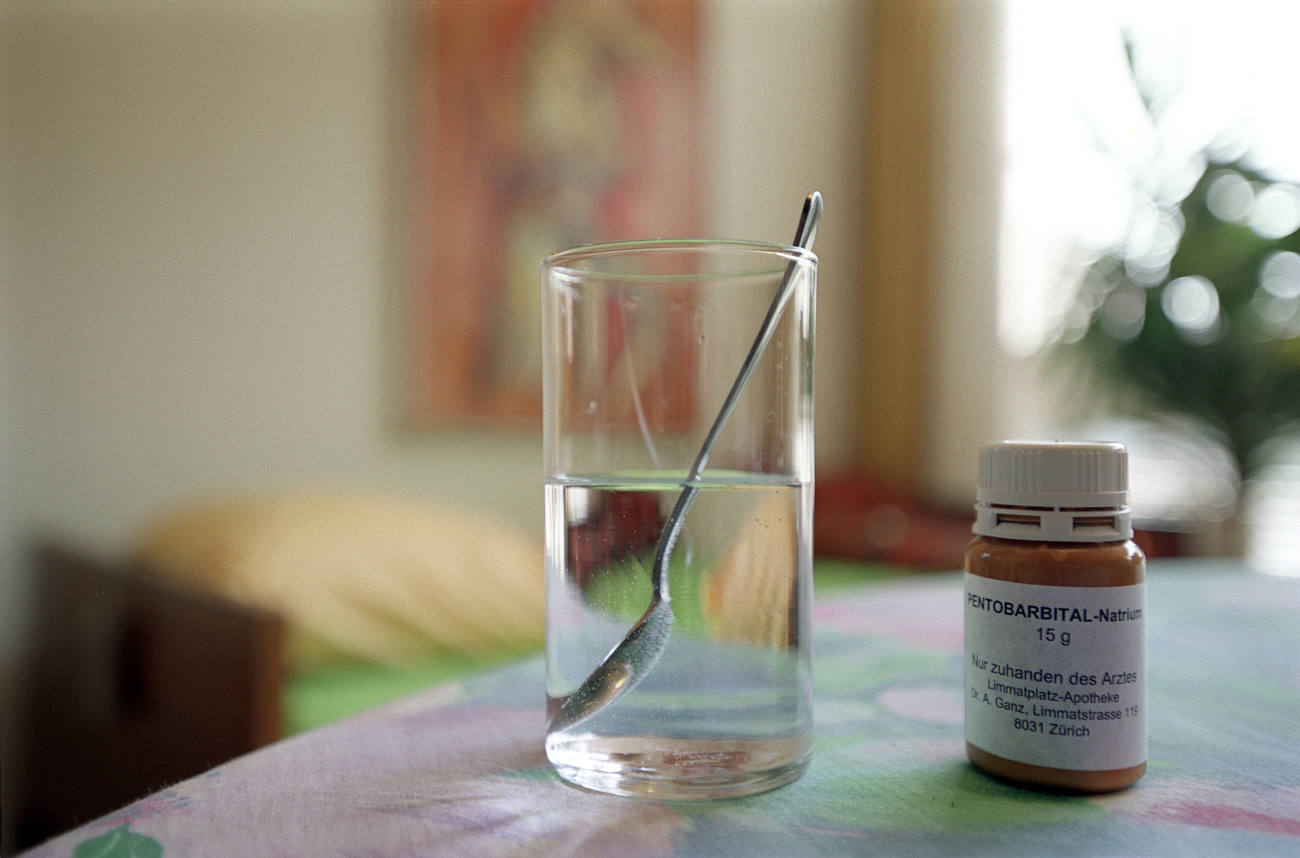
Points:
(804, 235)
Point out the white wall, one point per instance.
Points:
(203, 270)
(970, 400)
(201, 259)
(785, 119)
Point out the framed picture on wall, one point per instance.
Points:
(539, 125)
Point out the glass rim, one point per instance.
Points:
(563, 260)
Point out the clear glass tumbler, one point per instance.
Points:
(642, 341)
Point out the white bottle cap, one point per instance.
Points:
(1054, 491)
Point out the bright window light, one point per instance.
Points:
(1085, 166)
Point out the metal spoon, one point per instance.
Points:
(636, 655)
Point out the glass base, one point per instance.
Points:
(669, 769)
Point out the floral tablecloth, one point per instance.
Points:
(459, 769)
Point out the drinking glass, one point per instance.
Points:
(642, 341)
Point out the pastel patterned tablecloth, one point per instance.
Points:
(459, 769)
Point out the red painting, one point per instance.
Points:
(540, 125)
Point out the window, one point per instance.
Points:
(1085, 162)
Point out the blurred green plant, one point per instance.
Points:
(1213, 330)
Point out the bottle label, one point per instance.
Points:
(1056, 676)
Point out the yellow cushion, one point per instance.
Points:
(365, 576)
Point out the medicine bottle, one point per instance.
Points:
(1055, 627)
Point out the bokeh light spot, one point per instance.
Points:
(1192, 304)
(1280, 274)
(1124, 312)
(1230, 197)
(1276, 212)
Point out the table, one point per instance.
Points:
(459, 770)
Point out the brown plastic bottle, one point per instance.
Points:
(1055, 656)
